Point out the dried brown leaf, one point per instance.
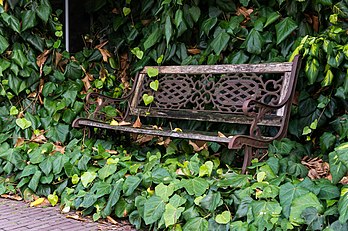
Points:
(111, 220)
(12, 197)
(105, 53)
(87, 81)
(59, 148)
(220, 134)
(193, 51)
(124, 123)
(198, 146)
(144, 138)
(19, 142)
(137, 123)
(75, 217)
(41, 59)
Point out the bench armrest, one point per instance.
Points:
(250, 104)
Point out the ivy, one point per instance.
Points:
(43, 88)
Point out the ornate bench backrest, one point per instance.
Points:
(213, 92)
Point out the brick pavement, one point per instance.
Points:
(18, 216)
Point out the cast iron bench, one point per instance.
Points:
(258, 96)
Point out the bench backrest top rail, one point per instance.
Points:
(228, 68)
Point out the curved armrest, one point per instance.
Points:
(247, 106)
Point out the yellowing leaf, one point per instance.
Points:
(177, 130)
(37, 202)
(114, 123)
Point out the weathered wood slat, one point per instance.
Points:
(154, 132)
(221, 69)
(270, 120)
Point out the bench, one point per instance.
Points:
(256, 96)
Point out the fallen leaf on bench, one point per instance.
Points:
(124, 123)
(220, 134)
(114, 123)
(137, 123)
(156, 127)
(177, 130)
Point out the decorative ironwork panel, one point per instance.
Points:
(223, 93)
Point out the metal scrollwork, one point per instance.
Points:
(220, 93)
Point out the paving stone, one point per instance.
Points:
(18, 216)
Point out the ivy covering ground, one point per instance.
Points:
(301, 184)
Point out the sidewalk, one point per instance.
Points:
(18, 216)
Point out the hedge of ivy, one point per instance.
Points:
(174, 186)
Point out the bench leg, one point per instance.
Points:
(248, 153)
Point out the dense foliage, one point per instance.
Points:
(174, 185)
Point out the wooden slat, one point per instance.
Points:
(204, 116)
(221, 69)
(183, 135)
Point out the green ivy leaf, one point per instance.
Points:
(3, 44)
(313, 219)
(342, 206)
(164, 191)
(196, 224)
(177, 200)
(196, 186)
(107, 171)
(206, 169)
(287, 193)
(154, 85)
(34, 182)
(154, 208)
(195, 13)
(130, 184)
(172, 214)
(234, 181)
(88, 177)
(46, 165)
(271, 18)
(152, 39)
(338, 169)
(28, 19)
(254, 42)
(11, 21)
(220, 42)
(58, 163)
(168, 29)
(312, 70)
(53, 199)
(43, 12)
(114, 197)
(299, 204)
(126, 11)
(284, 29)
(29, 170)
(23, 123)
(58, 133)
(208, 24)
(152, 72)
(223, 218)
(137, 52)
(18, 56)
(148, 99)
